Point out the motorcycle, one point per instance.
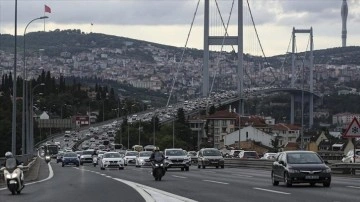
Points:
(47, 158)
(158, 169)
(13, 176)
(94, 161)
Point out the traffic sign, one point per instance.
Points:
(353, 130)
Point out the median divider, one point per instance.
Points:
(336, 168)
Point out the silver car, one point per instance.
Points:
(141, 159)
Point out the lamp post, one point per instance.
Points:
(31, 138)
(24, 89)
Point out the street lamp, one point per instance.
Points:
(24, 89)
(31, 138)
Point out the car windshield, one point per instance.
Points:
(211, 152)
(70, 155)
(131, 154)
(111, 155)
(303, 158)
(87, 152)
(175, 153)
(145, 154)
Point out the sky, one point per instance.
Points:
(169, 21)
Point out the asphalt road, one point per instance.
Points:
(88, 183)
(70, 184)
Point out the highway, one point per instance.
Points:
(88, 183)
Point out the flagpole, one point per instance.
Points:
(44, 18)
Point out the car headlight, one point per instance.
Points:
(327, 170)
(293, 170)
(161, 164)
(156, 165)
(141, 160)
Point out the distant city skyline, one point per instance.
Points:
(168, 22)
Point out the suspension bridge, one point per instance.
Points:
(230, 28)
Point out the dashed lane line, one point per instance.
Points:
(353, 187)
(272, 191)
(182, 177)
(217, 182)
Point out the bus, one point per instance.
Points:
(149, 148)
(51, 149)
(137, 148)
(116, 147)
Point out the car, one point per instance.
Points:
(70, 158)
(177, 158)
(78, 153)
(193, 156)
(248, 155)
(210, 157)
(269, 156)
(349, 158)
(59, 157)
(142, 157)
(86, 156)
(293, 167)
(111, 160)
(130, 157)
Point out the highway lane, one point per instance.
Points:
(69, 184)
(234, 184)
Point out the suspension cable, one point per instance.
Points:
(283, 63)
(182, 55)
(223, 41)
(258, 38)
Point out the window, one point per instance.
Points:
(217, 131)
(224, 123)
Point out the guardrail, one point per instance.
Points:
(249, 163)
(337, 168)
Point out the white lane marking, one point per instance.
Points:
(51, 175)
(209, 172)
(151, 194)
(97, 172)
(242, 175)
(272, 191)
(215, 182)
(353, 187)
(108, 176)
(179, 176)
(103, 174)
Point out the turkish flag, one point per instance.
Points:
(47, 9)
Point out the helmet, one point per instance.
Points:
(156, 149)
(8, 155)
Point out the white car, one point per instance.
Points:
(269, 156)
(111, 160)
(130, 157)
(349, 158)
(141, 157)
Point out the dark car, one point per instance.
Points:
(59, 157)
(210, 157)
(293, 167)
(70, 158)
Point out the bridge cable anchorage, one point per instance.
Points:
(258, 38)
(222, 45)
(182, 55)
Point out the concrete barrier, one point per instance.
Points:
(336, 168)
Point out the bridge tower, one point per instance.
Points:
(344, 14)
(227, 40)
(311, 82)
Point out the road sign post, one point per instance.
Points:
(353, 132)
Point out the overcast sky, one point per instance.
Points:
(168, 21)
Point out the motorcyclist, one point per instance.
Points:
(9, 155)
(157, 156)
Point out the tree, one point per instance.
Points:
(181, 116)
(212, 110)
